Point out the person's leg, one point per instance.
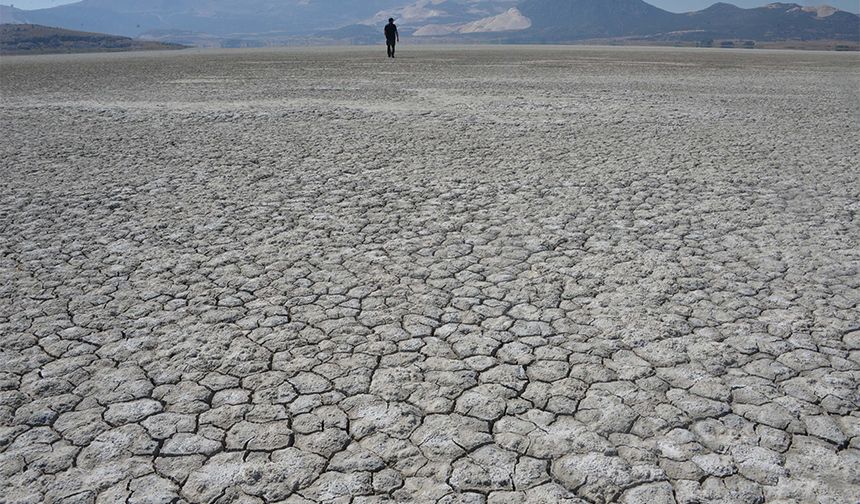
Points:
(388, 47)
(393, 47)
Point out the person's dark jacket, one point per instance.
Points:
(391, 32)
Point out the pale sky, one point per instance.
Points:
(672, 5)
(35, 4)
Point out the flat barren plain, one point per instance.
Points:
(477, 275)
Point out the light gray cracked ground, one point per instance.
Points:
(467, 275)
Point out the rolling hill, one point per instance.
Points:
(36, 39)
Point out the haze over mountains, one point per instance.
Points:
(519, 21)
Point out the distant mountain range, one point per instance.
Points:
(570, 20)
(516, 21)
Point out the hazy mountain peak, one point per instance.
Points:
(781, 5)
(11, 15)
(822, 11)
(418, 12)
(510, 20)
(720, 6)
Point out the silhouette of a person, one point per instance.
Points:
(392, 37)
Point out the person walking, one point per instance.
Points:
(392, 37)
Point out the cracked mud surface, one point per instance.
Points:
(468, 275)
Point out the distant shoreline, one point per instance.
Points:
(417, 53)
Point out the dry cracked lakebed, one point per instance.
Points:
(478, 275)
